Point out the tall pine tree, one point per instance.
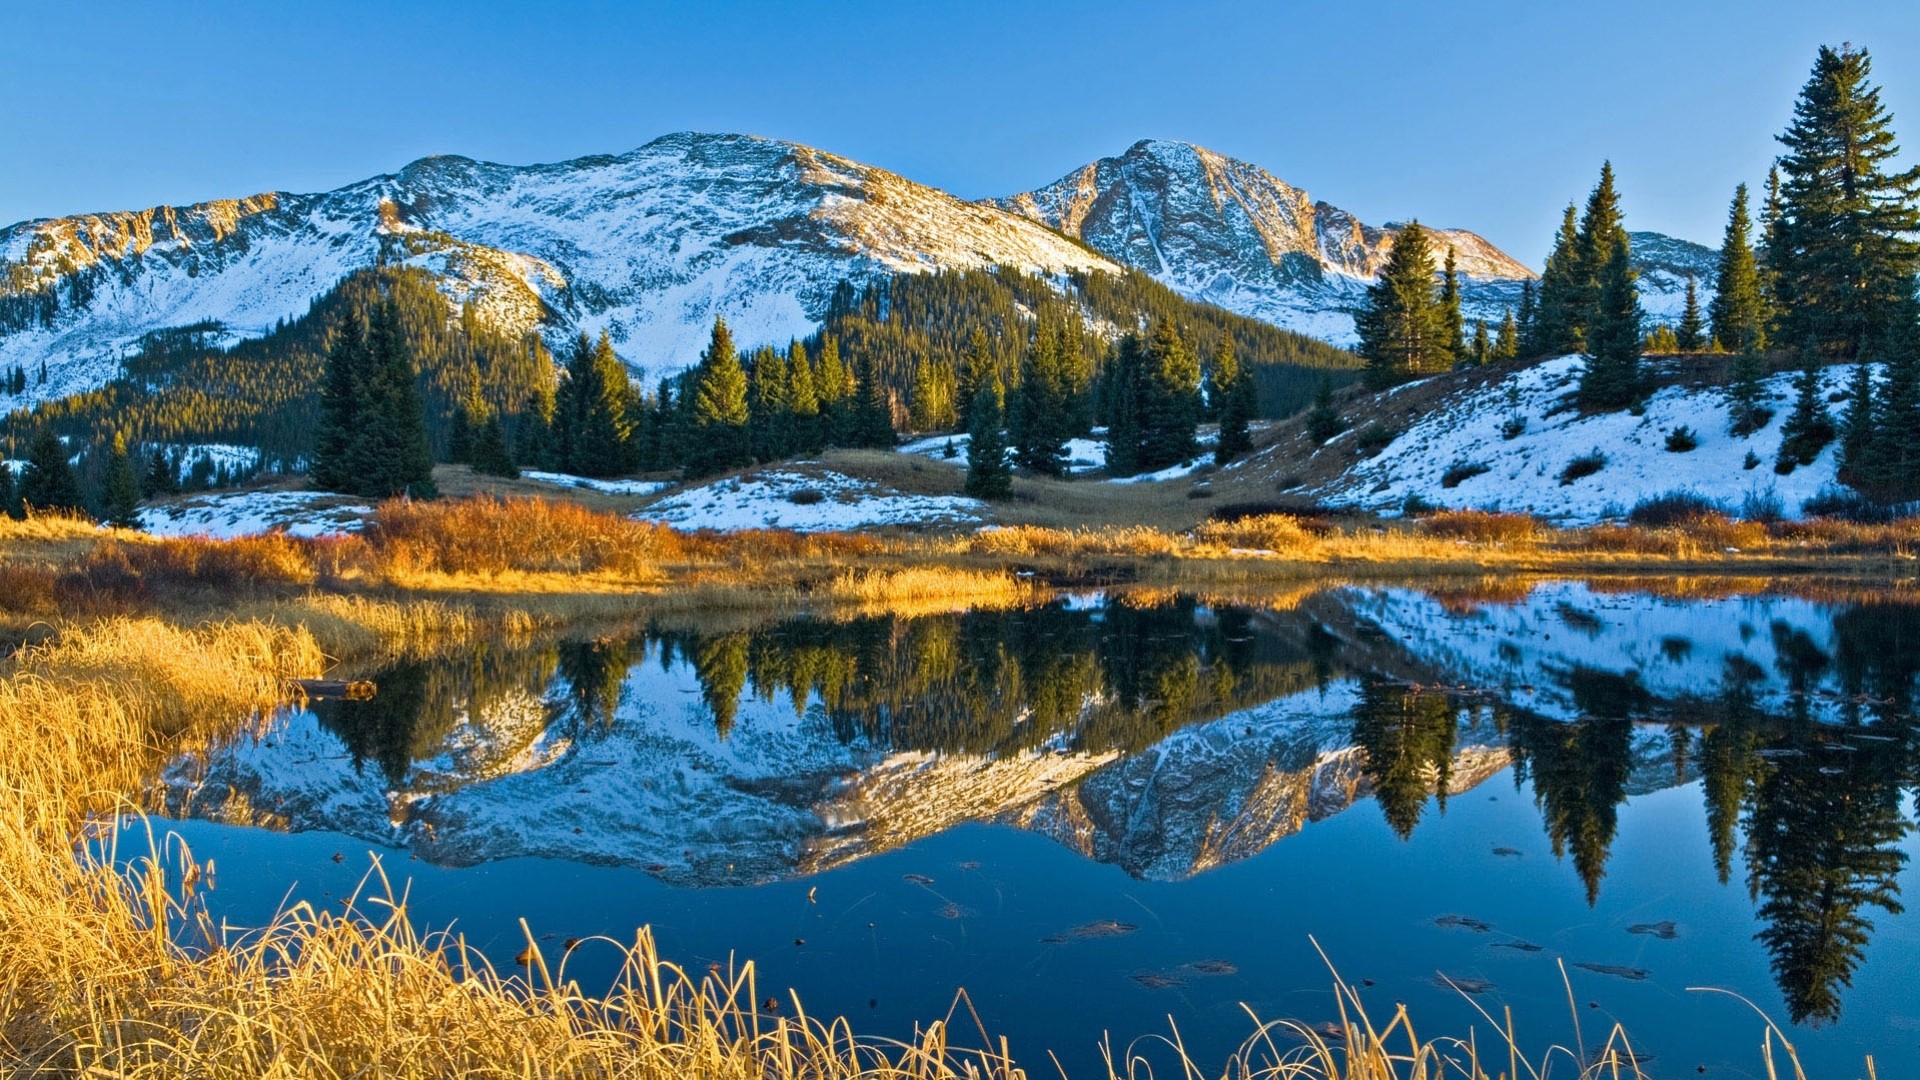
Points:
(717, 436)
(1403, 327)
(1612, 376)
(1738, 311)
(1690, 335)
(48, 482)
(989, 473)
(1235, 384)
(120, 488)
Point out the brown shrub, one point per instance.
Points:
(496, 536)
(146, 570)
(1482, 526)
(1264, 532)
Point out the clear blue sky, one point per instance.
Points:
(1484, 115)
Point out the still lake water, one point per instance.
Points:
(1107, 812)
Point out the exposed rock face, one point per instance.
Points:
(1233, 234)
(650, 245)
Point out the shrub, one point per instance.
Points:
(1762, 504)
(1846, 504)
(806, 496)
(1415, 505)
(1752, 461)
(1673, 508)
(1264, 532)
(1513, 427)
(1682, 439)
(1481, 525)
(1460, 470)
(1585, 465)
(1374, 438)
(495, 536)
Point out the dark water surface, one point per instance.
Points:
(1109, 811)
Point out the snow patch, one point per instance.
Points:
(820, 502)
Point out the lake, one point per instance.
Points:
(1116, 810)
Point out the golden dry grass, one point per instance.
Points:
(107, 967)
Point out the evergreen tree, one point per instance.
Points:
(1526, 321)
(1889, 469)
(1847, 250)
(931, 407)
(120, 488)
(1738, 311)
(1125, 379)
(159, 478)
(770, 406)
(1324, 420)
(989, 473)
(460, 439)
(593, 426)
(490, 455)
(1506, 343)
(873, 408)
(1690, 336)
(1747, 410)
(1403, 327)
(834, 385)
(9, 492)
(1042, 412)
(717, 436)
(48, 483)
(1558, 321)
(1235, 385)
(1858, 430)
(390, 453)
(1170, 408)
(341, 406)
(1612, 376)
(1482, 348)
(808, 435)
(1807, 429)
(1456, 328)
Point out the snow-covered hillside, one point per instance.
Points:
(1665, 265)
(1522, 473)
(649, 245)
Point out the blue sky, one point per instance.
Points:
(1483, 115)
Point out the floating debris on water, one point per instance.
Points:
(1523, 946)
(1664, 929)
(917, 879)
(1213, 967)
(1507, 852)
(953, 911)
(1464, 984)
(1158, 980)
(1463, 922)
(1102, 928)
(1619, 971)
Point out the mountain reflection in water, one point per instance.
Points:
(1166, 736)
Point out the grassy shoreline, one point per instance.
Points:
(124, 651)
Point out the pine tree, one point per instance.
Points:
(1807, 429)
(873, 408)
(804, 392)
(1738, 311)
(717, 436)
(1858, 430)
(1403, 328)
(120, 488)
(1170, 408)
(1125, 379)
(48, 483)
(1526, 321)
(593, 425)
(1558, 321)
(460, 439)
(769, 406)
(989, 473)
(1235, 384)
(1847, 251)
(1041, 410)
(9, 492)
(1747, 410)
(159, 479)
(1456, 328)
(1690, 336)
(390, 453)
(976, 365)
(341, 406)
(490, 455)
(1324, 420)
(1506, 343)
(1482, 348)
(1612, 376)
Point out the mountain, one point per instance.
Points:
(1233, 234)
(1665, 263)
(649, 245)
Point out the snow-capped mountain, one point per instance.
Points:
(1665, 264)
(650, 245)
(1233, 234)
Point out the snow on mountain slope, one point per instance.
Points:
(1522, 474)
(650, 245)
(1233, 234)
(1665, 264)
